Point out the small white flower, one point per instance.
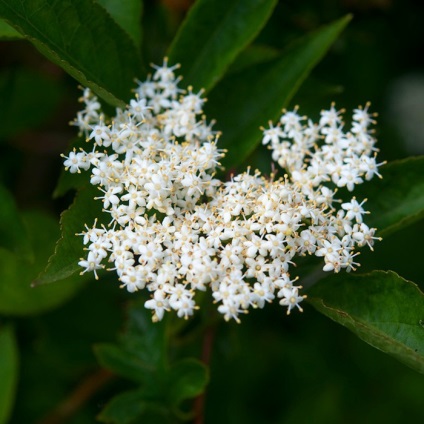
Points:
(92, 263)
(159, 304)
(273, 134)
(138, 108)
(354, 210)
(100, 133)
(76, 161)
(291, 299)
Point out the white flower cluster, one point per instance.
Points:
(175, 229)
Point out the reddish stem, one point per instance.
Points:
(82, 393)
(199, 403)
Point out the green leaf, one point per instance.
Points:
(127, 15)
(252, 55)
(123, 362)
(27, 100)
(212, 35)
(8, 372)
(17, 296)
(69, 248)
(141, 354)
(132, 408)
(314, 94)
(7, 32)
(187, 379)
(13, 234)
(397, 199)
(82, 38)
(256, 95)
(124, 408)
(68, 181)
(146, 338)
(381, 308)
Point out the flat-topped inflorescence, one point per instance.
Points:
(175, 229)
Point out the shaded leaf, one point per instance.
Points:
(82, 38)
(132, 408)
(397, 199)
(8, 33)
(187, 379)
(123, 362)
(127, 15)
(13, 234)
(381, 308)
(8, 372)
(27, 99)
(141, 353)
(314, 94)
(142, 336)
(142, 356)
(252, 55)
(17, 296)
(125, 408)
(69, 248)
(212, 35)
(68, 181)
(257, 94)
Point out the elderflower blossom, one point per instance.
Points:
(175, 229)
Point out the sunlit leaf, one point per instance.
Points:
(381, 308)
(212, 35)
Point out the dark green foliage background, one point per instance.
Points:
(58, 338)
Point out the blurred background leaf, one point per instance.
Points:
(187, 379)
(305, 366)
(13, 234)
(132, 407)
(27, 99)
(18, 296)
(8, 372)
